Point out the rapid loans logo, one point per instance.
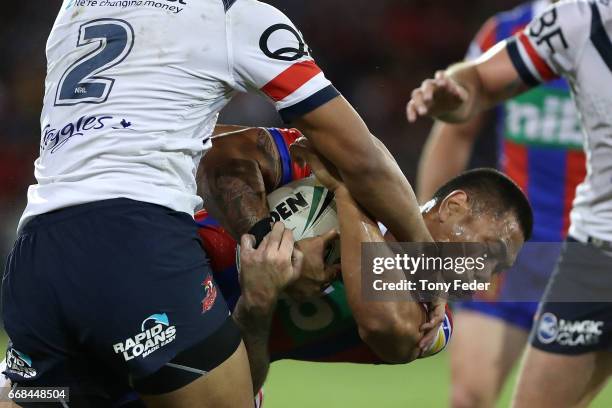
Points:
(19, 363)
(156, 332)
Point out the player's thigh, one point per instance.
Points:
(135, 285)
(556, 380)
(227, 386)
(480, 364)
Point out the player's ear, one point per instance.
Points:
(455, 205)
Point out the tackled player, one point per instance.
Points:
(358, 331)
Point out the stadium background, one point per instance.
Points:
(375, 52)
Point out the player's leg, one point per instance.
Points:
(480, 364)
(215, 386)
(126, 291)
(555, 380)
(569, 357)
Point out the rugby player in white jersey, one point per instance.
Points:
(569, 359)
(91, 299)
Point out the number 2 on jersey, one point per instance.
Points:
(81, 83)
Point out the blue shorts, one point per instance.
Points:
(103, 295)
(521, 287)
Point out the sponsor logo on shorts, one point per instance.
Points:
(570, 333)
(19, 363)
(548, 328)
(156, 332)
(211, 294)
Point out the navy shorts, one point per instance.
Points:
(575, 316)
(104, 296)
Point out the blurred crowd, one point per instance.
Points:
(375, 52)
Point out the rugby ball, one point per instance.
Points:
(308, 209)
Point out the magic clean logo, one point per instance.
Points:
(155, 333)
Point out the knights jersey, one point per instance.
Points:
(133, 89)
(571, 39)
(320, 329)
(539, 134)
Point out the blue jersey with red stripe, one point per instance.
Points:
(540, 137)
(321, 329)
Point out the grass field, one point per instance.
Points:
(422, 384)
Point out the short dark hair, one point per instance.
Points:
(495, 191)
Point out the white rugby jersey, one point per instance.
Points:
(133, 89)
(573, 39)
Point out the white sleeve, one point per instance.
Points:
(269, 54)
(551, 44)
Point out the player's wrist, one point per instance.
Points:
(258, 304)
(341, 192)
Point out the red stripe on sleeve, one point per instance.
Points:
(290, 80)
(487, 36)
(575, 172)
(543, 69)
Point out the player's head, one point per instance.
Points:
(481, 205)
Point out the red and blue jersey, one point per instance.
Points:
(539, 134)
(220, 245)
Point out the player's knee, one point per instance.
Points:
(469, 397)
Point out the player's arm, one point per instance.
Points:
(268, 54)
(264, 272)
(337, 132)
(390, 329)
(547, 48)
(446, 153)
(468, 88)
(236, 174)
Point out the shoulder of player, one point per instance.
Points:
(253, 13)
(504, 24)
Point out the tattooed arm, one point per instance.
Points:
(234, 176)
(465, 89)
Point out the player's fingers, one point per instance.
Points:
(411, 112)
(275, 236)
(440, 74)
(427, 88)
(301, 152)
(419, 103)
(286, 244)
(298, 151)
(436, 317)
(247, 242)
(428, 339)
